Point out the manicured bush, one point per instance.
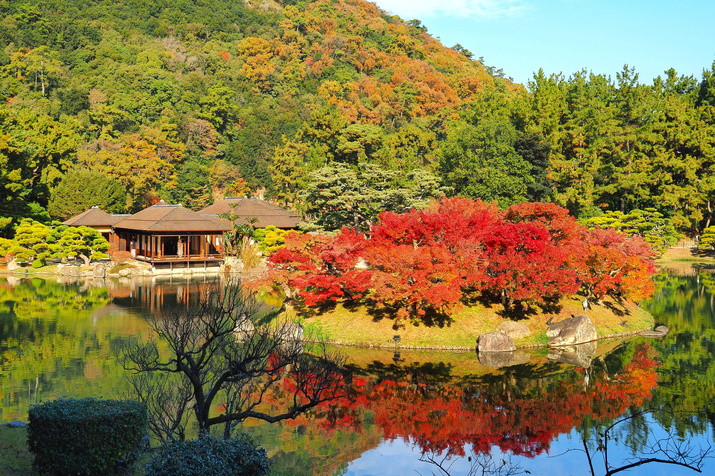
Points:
(209, 455)
(87, 436)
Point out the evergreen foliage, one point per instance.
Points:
(86, 436)
(81, 189)
(209, 455)
(194, 100)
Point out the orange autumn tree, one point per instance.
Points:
(423, 264)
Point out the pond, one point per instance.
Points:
(410, 412)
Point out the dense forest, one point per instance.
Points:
(193, 100)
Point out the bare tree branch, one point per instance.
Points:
(216, 347)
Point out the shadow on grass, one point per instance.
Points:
(429, 317)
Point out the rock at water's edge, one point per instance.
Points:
(659, 331)
(580, 355)
(495, 342)
(16, 424)
(574, 330)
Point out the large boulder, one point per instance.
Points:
(291, 337)
(571, 331)
(125, 272)
(244, 329)
(495, 342)
(13, 265)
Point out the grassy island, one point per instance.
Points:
(442, 276)
(356, 326)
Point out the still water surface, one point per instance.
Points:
(410, 413)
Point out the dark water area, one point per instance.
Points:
(410, 412)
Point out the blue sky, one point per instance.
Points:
(565, 36)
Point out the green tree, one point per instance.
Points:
(193, 188)
(34, 150)
(480, 161)
(655, 229)
(36, 242)
(707, 239)
(81, 242)
(339, 195)
(81, 189)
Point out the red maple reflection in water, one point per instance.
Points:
(520, 419)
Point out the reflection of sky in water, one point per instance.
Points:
(565, 458)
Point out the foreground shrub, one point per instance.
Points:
(209, 455)
(86, 436)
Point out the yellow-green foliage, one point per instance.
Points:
(656, 230)
(707, 240)
(270, 238)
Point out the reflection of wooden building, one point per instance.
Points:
(170, 233)
(248, 208)
(95, 218)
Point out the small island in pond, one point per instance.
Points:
(442, 276)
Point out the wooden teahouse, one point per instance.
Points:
(166, 233)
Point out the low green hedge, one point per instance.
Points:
(87, 436)
(209, 455)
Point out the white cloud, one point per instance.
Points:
(476, 9)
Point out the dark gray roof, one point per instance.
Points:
(171, 218)
(94, 217)
(246, 208)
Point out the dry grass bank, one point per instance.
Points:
(357, 327)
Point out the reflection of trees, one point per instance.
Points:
(687, 370)
(480, 464)
(51, 345)
(515, 413)
(657, 444)
(216, 349)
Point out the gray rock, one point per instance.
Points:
(495, 342)
(125, 272)
(580, 355)
(291, 336)
(291, 331)
(16, 424)
(571, 331)
(502, 359)
(659, 331)
(13, 265)
(513, 329)
(99, 271)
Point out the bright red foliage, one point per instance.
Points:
(429, 261)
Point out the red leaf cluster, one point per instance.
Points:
(523, 420)
(431, 260)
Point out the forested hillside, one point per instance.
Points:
(191, 100)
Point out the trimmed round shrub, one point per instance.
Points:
(209, 455)
(86, 436)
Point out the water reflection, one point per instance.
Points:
(409, 411)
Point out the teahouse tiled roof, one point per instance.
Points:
(245, 208)
(171, 218)
(94, 217)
